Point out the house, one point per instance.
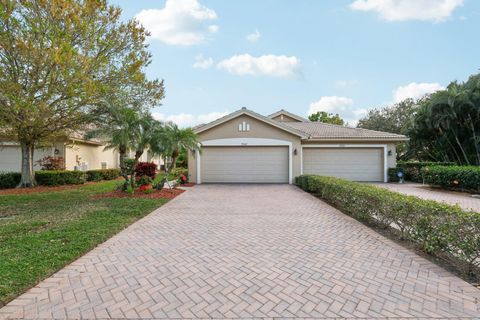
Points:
(78, 154)
(246, 147)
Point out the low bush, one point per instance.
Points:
(439, 229)
(177, 172)
(412, 169)
(453, 177)
(9, 179)
(59, 177)
(148, 169)
(102, 174)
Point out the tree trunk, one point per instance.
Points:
(28, 178)
(138, 154)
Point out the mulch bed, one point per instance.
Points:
(156, 194)
(188, 184)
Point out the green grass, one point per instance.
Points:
(42, 232)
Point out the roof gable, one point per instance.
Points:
(245, 111)
(283, 113)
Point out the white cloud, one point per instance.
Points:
(188, 119)
(415, 90)
(253, 37)
(202, 63)
(402, 10)
(268, 65)
(342, 105)
(181, 22)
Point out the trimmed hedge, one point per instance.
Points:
(438, 228)
(59, 177)
(9, 179)
(102, 174)
(412, 169)
(453, 177)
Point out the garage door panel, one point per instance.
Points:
(244, 165)
(358, 164)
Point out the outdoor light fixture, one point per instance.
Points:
(295, 152)
(389, 152)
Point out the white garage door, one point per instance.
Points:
(357, 164)
(10, 158)
(244, 165)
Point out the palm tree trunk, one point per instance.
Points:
(467, 161)
(475, 144)
(27, 179)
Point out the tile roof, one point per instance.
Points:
(319, 130)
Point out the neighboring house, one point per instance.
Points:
(79, 154)
(246, 147)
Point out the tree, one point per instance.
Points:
(447, 124)
(58, 59)
(324, 117)
(126, 129)
(394, 119)
(169, 142)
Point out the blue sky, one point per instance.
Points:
(346, 57)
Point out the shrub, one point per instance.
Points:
(177, 172)
(439, 228)
(59, 177)
(146, 169)
(453, 177)
(102, 174)
(393, 174)
(52, 163)
(9, 179)
(412, 169)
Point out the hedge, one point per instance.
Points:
(393, 174)
(453, 177)
(102, 174)
(438, 228)
(412, 169)
(59, 177)
(9, 179)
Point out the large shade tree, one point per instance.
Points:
(58, 59)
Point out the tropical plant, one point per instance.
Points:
(447, 125)
(169, 141)
(57, 60)
(322, 116)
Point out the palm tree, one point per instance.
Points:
(169, 141)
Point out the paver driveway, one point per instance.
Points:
(226, 251)
(464, 200)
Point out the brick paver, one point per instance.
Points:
(464, 200)
(226, 251)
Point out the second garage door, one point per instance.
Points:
(244, 165)
(357, 164)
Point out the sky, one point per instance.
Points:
(339, 56)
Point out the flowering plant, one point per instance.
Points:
(183, 179)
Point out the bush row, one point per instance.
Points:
(9, 179)
(59, 177)
(102, 174)
(453, 177)
(412, 169)
(438, 228)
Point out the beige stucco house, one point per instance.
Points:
(246, 147)
(79, 154)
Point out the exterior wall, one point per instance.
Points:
(258, 129)
(78, 153)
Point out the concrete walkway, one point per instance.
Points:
(464, 200)
(238, 251)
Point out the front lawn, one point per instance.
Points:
(42, 232)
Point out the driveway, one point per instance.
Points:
(248, 251)
(464, 200)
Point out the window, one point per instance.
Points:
(243, 126)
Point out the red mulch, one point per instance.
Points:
(156, 194)
(188, 184)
